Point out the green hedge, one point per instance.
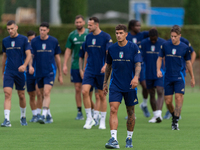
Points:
(192, 33)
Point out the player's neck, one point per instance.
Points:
(133, 33)
(97, 31)
(177, 43)
(14, 36)
(81, 31)
(44, 38)
(122, 43)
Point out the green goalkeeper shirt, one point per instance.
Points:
(74, 42)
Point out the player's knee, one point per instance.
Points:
(168, 102)
(113, 110)
(32, 96)
(38, 93)
(7, 95)
(85, 92)
(21, 96)
(78, 89)
(46, 93)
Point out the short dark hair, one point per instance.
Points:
(132, 23)
(30, 33)
(44, 24)
(176, 29)
(153, 32)
(79, 16)
(96, 20)
(121, 27)
(10, 22)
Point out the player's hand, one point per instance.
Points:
(65, 70)
(134, 82)
(186, 70)
(105, 88)
(22, 68)
(60, 79)
(31, 70)
(103, 69)
(159, 74)
(192, 82)
(81, 73)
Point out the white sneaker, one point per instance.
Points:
(102, 127)
(89, 124)
(153, 120)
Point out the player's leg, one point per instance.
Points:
(78, 100)
(39, 101)
(153, 104)
(160, 100)
(130, 100)
(87, 83)
(115, 99)
(8, 81)
(97, 109)
(92, 103)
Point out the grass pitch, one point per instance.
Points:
(67, 133)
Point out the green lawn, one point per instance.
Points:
(67, 133)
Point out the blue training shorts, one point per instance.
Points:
(30, 82)
(174, 84)
(154, 82)
(92, 79)
(75, 76)
(130, 97)
(12, 77)
(49, 79)
(142, 73)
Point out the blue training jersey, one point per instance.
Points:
(44, 52)
(82, 50)
(15, 51)
(150, 53)
(174, 55)
(123, 61)
(137, 39)
(96, 46)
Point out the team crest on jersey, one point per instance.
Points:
(44, 46)
(75, 39)
(173, 51)
(153, 48)
(121, 54)
(93, 41)
(134, 40)
(13, 43)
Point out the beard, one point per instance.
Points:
(79, 28)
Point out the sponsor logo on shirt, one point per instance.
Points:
(134, 40)
(153, 48)
(43, 46)
(93, 41)
(13, 43)
(75, 39)
(121, 54)
(173, 51)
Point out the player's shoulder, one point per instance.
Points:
(89, 35)
(113, 46)
(161, 40)
(35, 39)
(73, 32)
(145, 41)
(6, 38)
(53, 39)
(184, 40)
(105, 34)
(184, 45)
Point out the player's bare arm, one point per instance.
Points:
(103, 69)
(58, 63)
(31, 69)
(106, 76)
(3, 63)
(159, 63)
(134, 81)
(22, 68)
(81, 67)
(66, 58)
(190, 69)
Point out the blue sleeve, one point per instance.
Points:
(145, 34)
(162, 52)
(109, 58)
(57, 48)
(108, 42)
(32, 48)
(82, 51)
(27, 44)
(187, 54)
(137, 54)
(141, 48)
(191, 49)
(3, 48)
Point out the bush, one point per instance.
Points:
(191, 33)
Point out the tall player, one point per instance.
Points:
(97, 43)
(175, 52)
(15, 49)
(74, 42)
(32, 88)
(136, 37)
(46, 52)
(150, 48)
(123, 57)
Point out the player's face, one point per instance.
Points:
(175, 38)
(137, 27)
(12, 30)
(79, 23)
(92, 26)
(43, 32)
(121, 35)
(31, 37)
(153, 39)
